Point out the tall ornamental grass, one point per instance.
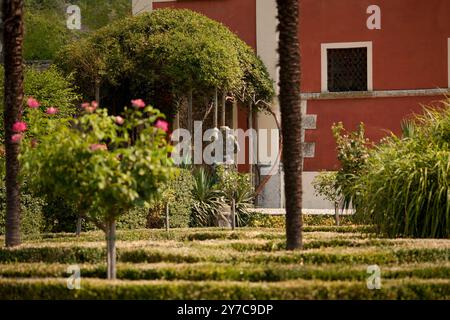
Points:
(405, 189)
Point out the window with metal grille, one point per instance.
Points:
(347, 69)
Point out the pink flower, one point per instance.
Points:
(138, 103)
(119, 120)
(17, 137)
(19, 127)
(52, 110)
(89, 107)
(33, 103)
(97, 146)
(163, 125)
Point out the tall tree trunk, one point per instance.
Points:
(111, 248)
(13, 62)
(291, 118)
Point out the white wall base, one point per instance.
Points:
(310, 200)
(273, 195)
(141, 6)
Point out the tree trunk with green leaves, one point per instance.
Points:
(13, 64)
(291, 118)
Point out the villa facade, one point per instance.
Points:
(370, 61)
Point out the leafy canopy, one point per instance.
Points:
(104, 164)
(177, 49)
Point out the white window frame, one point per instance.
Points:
(346, 45)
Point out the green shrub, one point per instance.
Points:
(326, 185)
(45, 23)
(31, 219)
(178, 194)
(50, 87)
(59, 216)
(56, 289)
(205, 271)
(136, 218)
(261, 220)
(405, 188)
(352, 153)
(45, 34)
(269, 253)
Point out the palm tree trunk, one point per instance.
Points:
(291, 118)
(13, 62)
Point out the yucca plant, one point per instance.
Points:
(408, 127)
(405, 188)
(208, 200)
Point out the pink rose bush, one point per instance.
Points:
(163, 125)
(34, 116)
(51, 111)
(119, 120)
(16, 138)
(95, 163)
(33, 103)
(138, 103)
(19, 127)
(90, 107)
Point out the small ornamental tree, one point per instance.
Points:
(352, 153)
(103, 164)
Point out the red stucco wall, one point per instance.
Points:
(409, 52)
(380, 116)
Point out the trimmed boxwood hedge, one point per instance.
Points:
(200, 234)
(221, 272)
(56, 289)
(219, 264)
(85, 254)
